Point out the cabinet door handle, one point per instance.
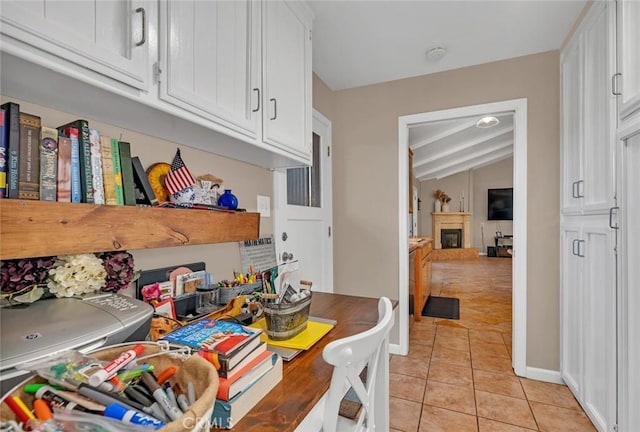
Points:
(275, 109)
(581, 248)
(614, 84)
(141, 10)
(574, 194)
(574, 247)
(611, 211)
(578, 193)
(257, 90)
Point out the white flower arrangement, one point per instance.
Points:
(76, 274)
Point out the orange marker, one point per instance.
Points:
(43, 412)
(166, 374)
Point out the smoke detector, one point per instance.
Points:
(436, 53)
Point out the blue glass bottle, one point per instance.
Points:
(228, 200)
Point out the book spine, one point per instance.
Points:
(48, 164)
(12, 137)
(108, 178)
(143, 182)
(4, 159)
(76, 182)
(64, 168)
(117, 171)
(29, 178)
(128, 182)
(86, 177)
(96, 167)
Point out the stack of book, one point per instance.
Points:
(247, 369)
(70, 163)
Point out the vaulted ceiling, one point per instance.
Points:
(447, 147)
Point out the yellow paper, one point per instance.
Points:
(303, 340)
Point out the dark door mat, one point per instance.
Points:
(442, 307)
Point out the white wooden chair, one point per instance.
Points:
(349, 356)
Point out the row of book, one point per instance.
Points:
(71, 163)
(247, 369)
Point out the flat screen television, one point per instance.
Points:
(500, 204)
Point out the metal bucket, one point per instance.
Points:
(285, 320)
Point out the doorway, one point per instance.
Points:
(519, 264)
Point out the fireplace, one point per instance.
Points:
(449, 222)
(451, 238)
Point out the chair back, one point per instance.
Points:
(349, 356)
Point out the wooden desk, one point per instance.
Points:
(306, 378)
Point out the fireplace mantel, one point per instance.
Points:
(451, 220)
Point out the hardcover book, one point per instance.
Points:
(49, 164)
(64, 169)
(221, 337)
(3, 157)
(128, 182)
(12, 138)
(108, 178)
(96, 167)
(223, 372)
(76, 182)
(250, 373)
(84, 149)
(29, 159)
(117, 172)
(146, 195)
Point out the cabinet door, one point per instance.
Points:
(210, 62)
(571, 127)
(287, 78)
(599, 325)
(571, 334)
(598, 110)
(107, 37)
(629, 56)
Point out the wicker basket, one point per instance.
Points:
(225, 294)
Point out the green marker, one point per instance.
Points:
(33, 388)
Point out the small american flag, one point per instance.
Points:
(179, 177)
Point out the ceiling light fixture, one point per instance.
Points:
(436, 53)
(487, 122)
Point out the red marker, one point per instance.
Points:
(109, 369)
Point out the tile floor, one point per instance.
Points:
(458, 376)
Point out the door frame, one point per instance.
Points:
(321, 126)
(519, 263)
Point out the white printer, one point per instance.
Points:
(34, 331)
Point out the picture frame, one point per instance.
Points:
(499, 234)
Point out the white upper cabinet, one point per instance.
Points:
(628, 33)
(107, 37)
(588, 110)
(210, 60)
(287, 77)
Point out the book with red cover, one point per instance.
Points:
(64, 169)
(84, 158)
(226, 372)
(229, 387)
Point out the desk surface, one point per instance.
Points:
(307, 377)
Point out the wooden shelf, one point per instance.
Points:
(37, 228)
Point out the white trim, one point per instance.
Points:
(519, 264)
(546, 375)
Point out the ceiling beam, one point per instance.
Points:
(465, 166)
(454, 130)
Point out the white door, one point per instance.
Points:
(303, 212)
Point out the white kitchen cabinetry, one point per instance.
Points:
(210, 60)
(628, 31)
(109, 38)
(287, 77)
(588, 111)
(588, 302)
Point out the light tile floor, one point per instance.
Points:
(458, 376)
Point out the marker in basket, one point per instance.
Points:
(111, 368)
(107, 398)
(64, 401)
(181, 398)
(159, 395)
(23, 414)
(128, 416)
(171, 395)
(153, 407)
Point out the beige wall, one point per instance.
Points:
(246, 181)
(452, 185)
(365, 175)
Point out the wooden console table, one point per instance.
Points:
(306, 378)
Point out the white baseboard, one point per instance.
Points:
(544, 375)
(482, 253)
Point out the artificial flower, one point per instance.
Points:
(76, 275)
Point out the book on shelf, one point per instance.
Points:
(146, 195)
(96, 167)
(76, 182)
(126, 168)
(117, 171)
(229, 341)
(12, 138)
(29, 159)
(84, 148)
(223, 372)
(108, 177)
(49, 164)
(226, 414)
(63, 193)
(3, 157)
(250, 373)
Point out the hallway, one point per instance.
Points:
(458, 376)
